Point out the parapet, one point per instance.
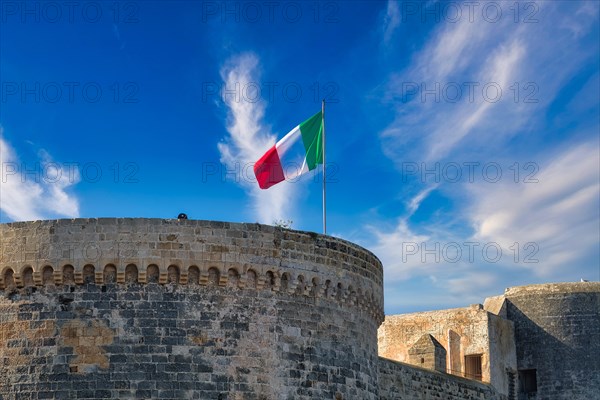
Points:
(189, 252)
(548, 288)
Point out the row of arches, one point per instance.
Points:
(269, 279)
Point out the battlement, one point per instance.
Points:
(188, 252)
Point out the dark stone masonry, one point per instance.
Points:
(183, 309)
(175, 342)
(167, 309)
(557, 332)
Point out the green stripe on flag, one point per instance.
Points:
(312, 137)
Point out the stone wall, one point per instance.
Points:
(461, 332)
(557, 332)
(406, 382)
(503, 355)
(468, 327)
(167, 309)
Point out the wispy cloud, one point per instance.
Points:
(391, 246)
(391, 20)
(416, 263)
(249, 137)
(454, 80)
(559, 214)
(26, 197)
(482, 82)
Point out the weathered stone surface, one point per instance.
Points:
(461, 332)
(162, 309)
(406, 382)
(557, 331)
(183, 309)
(537, 341)
(428, 353)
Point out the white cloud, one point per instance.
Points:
(579, 22)
(416, 263)
(395, 248)
(416, 201)
(456, 73)
(249, 138)
(457, 77)
(391, 248)
(391, 21)
(560, 213)
(468, 116)
(43, 195)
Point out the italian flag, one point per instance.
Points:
(298, 152)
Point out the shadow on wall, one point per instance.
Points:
(549, 368)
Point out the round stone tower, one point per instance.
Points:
(184, 309)
(557, 337)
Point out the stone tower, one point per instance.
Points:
(183, 309)
(557, 336)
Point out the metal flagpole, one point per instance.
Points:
(324, 175)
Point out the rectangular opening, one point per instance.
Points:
(527, 381)
(473, 366)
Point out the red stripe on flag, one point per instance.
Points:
(268, 170)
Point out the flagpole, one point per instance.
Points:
(324, 175)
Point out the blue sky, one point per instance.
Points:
(462, 138)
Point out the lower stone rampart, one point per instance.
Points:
(400, 381)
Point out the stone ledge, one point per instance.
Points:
(562, 287)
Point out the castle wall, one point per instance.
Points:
(503, 355)
(165, 309)
(557, 333)
(462, 332)
(406, 382)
